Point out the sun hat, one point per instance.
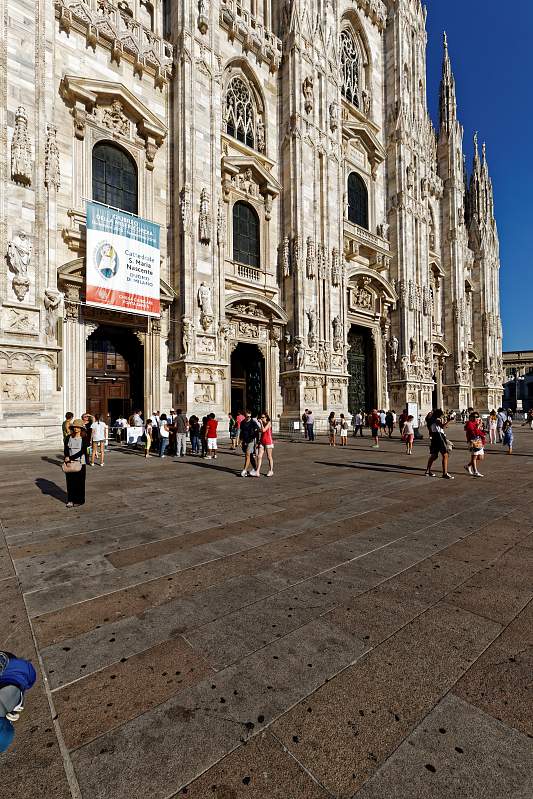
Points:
(78, 423)
(7, 733)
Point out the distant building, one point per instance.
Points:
(518, 380)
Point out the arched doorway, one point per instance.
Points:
(361, 368)
(115, 372)
(247, 378)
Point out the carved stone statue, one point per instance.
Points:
(206, 305)
(19, 252)
(333, 116)
(52, 301)
(383, 230)
(205, 218)
(338, 332)
(260, 134)
(52, 175)
(335, 267)
(186, 337)
(321, 358)
(413, 350)
(394, 347)
(203, 16)
(310, 259)
(286, 257)
(312, 316)
(21, 161)
(298, 353)
(309, 96)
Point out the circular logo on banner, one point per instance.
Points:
(106, 260)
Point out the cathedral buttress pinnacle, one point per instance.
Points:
(448, 101)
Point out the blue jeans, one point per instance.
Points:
(311, 432)
(163, 446)
(195, 444)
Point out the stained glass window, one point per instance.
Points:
(357, 200)
(350, 68)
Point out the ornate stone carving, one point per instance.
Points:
(308, 92)
(19, 252)
(296, 253)
(221, 224)
(52, 301)
(21, 160)
(394, 345)
(185, 208)
(22, 322)
(426, 300)
(286, 257)
(260, 134)
(244, 181)
(382, 230)
(361, 297)
(204, 221)
(20, 388)
(312, 317)
(186, 336)
(52, 174)
(248, 329)
(114, 118)
(206, 305)
(206, 345)
(310, 259)
(338, 333)
(322, 262)
(204, 393)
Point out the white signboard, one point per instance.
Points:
(123, 261)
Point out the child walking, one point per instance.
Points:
(343, 430)
(508, 436)
(408, 434)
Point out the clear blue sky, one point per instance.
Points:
(491, 49)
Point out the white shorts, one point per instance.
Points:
(344, 434)
(267, 446)
(211, 443)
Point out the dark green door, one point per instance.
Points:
(360, 369)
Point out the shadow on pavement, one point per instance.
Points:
(50, 488)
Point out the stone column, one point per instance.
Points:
(378, 366)
(75, 336)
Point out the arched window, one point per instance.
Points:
(241, 118)
(350, 68)
(246, 246)
(114, 177)
(357, 200)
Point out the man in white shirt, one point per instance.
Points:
(137, 419)
(358, 424)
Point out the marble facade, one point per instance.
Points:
(271, 105)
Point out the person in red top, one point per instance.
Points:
(211, 435)
(239, 419)
(373, 422)
(475, 436)
(266, 442)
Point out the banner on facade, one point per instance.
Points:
(123, 263)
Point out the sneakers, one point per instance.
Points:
(448, 477)
(12, 716)
(429, 474)
(102, 465)
(70, 504)
(478, 474)
(244, 473)
(253, 473)
(469, 469)
(270, 474)
(375, 446)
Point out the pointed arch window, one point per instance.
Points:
(114, 177)
(350, 69)
(246, 245)
(357, 200)
(241, 118)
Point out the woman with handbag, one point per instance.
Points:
(439, 445)
(74, 464)
(475, 437)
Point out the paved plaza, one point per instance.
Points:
(347, 628)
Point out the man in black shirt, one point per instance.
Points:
(249, 434)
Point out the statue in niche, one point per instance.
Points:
(333, 116)
(203, 16)
(52, 175)
(52, 301)
(394, 347)
(204, 221)
(21, 162)
(321, 358)
(309, 96)
(286, 257)
(186, 337)
(413, 350)
(260, 134)
(206, 305)
(19, 252)
(312, 317)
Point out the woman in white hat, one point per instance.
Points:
(74, 464)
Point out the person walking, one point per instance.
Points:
(211, 435)
(248, 437)
(164, 433)
(475, 437)
(332, 429)
(502, 418)
(493, 425)
(382, 423)
(373, 423)
(233, 431)
(148, 429)
(358, 424)
(266, 444)
(75, 459)
(181, 427)
(194, 433)
(98, 439)
(310, 424)
(389, 421)
(239, 419)
(508, 436)
(438, 445)
(343, 427)
(408, 434)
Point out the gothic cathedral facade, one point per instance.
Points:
(321, 244)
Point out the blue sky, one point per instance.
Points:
(491, 50)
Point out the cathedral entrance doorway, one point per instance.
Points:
(115, 372)
(247, 379)
(361, 368)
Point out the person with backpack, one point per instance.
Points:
(389, 421)
(17, 676)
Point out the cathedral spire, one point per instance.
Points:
(448, 101)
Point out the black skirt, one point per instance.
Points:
(76, 486)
